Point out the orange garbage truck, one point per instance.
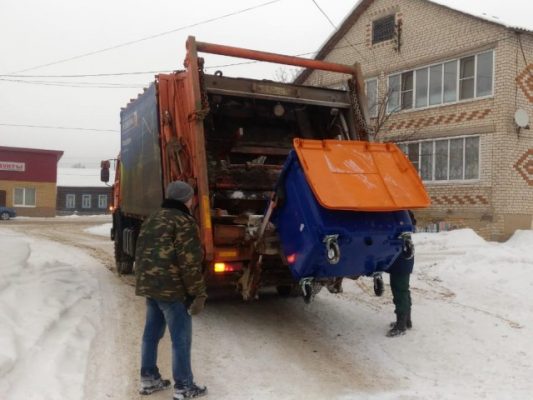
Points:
(230, 139)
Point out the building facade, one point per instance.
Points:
(79, 191)
(28, 180)
(446, 85)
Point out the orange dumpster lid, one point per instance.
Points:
(362, 176)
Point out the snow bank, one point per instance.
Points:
(100, 230)
(48, 318)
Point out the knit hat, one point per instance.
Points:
(179, 190)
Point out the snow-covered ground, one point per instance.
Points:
(472, 316)
(100, 230)
(48, 317)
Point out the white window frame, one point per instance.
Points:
(405, 145)
(102, 204)
(457, 91)
(23, 204)
(68, 204)
(83, 201)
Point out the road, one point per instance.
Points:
(281, 348)
(275, 345)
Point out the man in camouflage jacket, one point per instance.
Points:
(168, 270)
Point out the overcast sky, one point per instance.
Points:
(35, 33)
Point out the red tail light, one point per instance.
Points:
(291, 259)
(221, 267)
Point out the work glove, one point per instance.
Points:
(197, 305)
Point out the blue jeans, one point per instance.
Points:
(158, 315)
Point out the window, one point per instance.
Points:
(407, 90)
(102, 201)
(484, 74)
(86, 201)
(24, 197)
(435, 85)
(70, 201)
(400, 92)
(371, 87)
(466, 78)
(445, 159)
(450, 82)
(421, 88)
(393, 100)
(383, 29)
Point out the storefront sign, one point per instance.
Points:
(12, 166)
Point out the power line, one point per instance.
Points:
(91, 53)
(60, 127)
(86, 85)
(335, 27)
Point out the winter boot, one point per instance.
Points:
(399, 327)
(408, 322)
(189, 392)
(151, 385)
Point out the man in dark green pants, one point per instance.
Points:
(400, 273)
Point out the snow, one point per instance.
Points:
(100, 230)
(511, 13)
(472, 316)
(82, 177)
(48, 318)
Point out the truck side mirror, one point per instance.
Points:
(104, 171)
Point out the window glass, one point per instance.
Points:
(426, 161)
(466, 78)
(456, 159)
(407, 90)
(472, 158)
(71, 201)
(441, 160)
(450, 81)
(86, 201)
(421, 87)
(403, 147)
(383, 29)
(484, 74)
(102, 201)
(413, 153)
(19, 197)
(435, 85)
(29, 198)
(372, 97)
(393, 101)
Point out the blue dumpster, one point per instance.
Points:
(322, 242)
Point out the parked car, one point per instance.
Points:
(6, 213)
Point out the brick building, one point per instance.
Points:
(449, 83)
(28, 180)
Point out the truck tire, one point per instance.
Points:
(123, 262)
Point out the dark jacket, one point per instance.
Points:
(168, 259)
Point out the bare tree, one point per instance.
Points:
(286, 75)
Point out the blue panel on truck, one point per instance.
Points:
(140, 155)
(367, 242)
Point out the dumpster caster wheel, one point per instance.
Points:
(379, 287)
(308, 293)
(333, 251)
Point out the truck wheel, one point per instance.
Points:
(4, 216)
(124, 267)
(124, 263)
